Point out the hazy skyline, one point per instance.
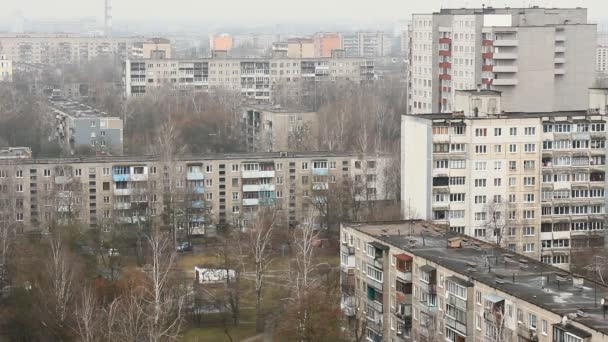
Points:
(231, 12)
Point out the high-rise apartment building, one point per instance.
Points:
(300, 48)
(366, 44)
(221, 42)
(255, 78)
(106, 192)
(67, 49)
(541, 59)
(325, 43)
(414, 281)
(534, 182)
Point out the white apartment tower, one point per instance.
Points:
(526, 53)
(536, 179)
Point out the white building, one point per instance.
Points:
(601, 59)
(534, 179)
(526, 53)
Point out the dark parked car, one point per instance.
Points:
(184, 247)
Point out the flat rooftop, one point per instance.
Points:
(245, 157)
(506, 115)
(275, 108)
(517, 275)
(76, 109)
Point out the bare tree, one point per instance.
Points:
(256, 244)
(496, 223)
(87, 316)
(60, 280)
(165, 305)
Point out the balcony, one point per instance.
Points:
(376, 262)
(445, 53)
(405, 276)
(197, 218)
(198, 189)
(505, 55)
(251, 201)
(375, 305)
(197, 204)
(486, 81)
(560, 38)
(487, 42)
(559, 60)
(122, 206)
(505, 68)
(456, 325)
(61, 179)
(487, 55)
(403, 298)
(445, 65)
(123, 192)
(445, 77)
(195, 175)
(121, 177)
(143, 177)
(457, 302)
(374, 283)
(320, 172)
(258, 187)
(487, 67)
(429, 288)
(560, 49)
(504, 81)
(506, 42)
(257, 174)
(445, 40)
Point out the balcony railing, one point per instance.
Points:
(456, 325)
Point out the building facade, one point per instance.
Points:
(221, 42)
(66, 49)
(300, 48)
(105, 191)
(601, 59)
(526, 53)
(269, 128)
(255, 78)
(325, 43)
(366, 44)
(6, 69)
(79, 127)
(413, 281)
(534, 182)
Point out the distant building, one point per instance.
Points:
(6, 69)
(527, 54)
(221, 42)
(270, 128)
(366, 44)
(116, 192)
(16, 153)
(325, 43)
(66, 49)
(255, 78)
(79, 126)
(300, 48)
(157, 48)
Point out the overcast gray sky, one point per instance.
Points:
(232, 11)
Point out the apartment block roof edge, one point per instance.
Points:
(525, 287)
(192, 157)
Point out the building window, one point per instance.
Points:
(531, 321)
(528, 247)
(513, 131)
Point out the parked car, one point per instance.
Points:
(184, 247)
